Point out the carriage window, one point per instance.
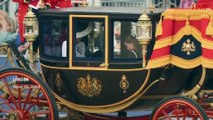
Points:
(88, 42)
(125, 44)
(55, 38)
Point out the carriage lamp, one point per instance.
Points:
(31, 30)
(144, 34)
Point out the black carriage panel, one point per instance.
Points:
(96, 88)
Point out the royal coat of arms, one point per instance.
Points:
(89, 86)
(188, 47)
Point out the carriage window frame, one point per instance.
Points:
(42, 39)
(72, 38)
(122, 60)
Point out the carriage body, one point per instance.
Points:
(103, 79)
(91, 62)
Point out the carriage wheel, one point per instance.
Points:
(178, 108)
(20, 59)
(24, 96)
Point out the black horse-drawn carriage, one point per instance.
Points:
(91, 62)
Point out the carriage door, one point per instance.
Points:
(88, 41)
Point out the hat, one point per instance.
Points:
(82, 31)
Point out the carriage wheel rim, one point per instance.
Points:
(21, 112)
(189, 106)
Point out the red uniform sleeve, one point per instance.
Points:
(22, 10)
(53, 1)
(15, 0)
(21, 1)
(69, 3)
(205, 4)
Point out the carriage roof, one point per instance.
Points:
(100, 10)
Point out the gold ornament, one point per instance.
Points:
(58, 81)
(188, 47)
(124, 84)
(89, 87)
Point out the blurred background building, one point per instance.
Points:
(9, 6)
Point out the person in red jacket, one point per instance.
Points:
(40, 4)
(61, 3)
(23, 9)
(205, 4)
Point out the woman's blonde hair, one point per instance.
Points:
(3, 13)
(11, 23)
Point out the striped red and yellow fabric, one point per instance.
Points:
(186, 40)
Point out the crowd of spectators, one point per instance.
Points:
(9, 32)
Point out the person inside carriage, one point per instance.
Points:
(88, 40)
(80, 48)
(133, 47)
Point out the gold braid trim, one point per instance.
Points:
(194, 32)
(207, 63)
(163, 42)
(177, 61)
(185, 15)
(159, 62)
(171, 40)
(170, 17)
(159, 27)
(186, 64)
(209, 29)
(180, 62)
(207, 44)
(180, 15)
(182, 18)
